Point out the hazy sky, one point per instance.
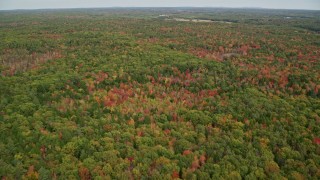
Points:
(278, 4)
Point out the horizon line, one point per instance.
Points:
(126, 7)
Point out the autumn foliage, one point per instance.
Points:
(176, 93)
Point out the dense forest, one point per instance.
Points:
(160, 93)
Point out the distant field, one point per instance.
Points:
(150, 93)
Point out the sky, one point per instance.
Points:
(52, 4)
